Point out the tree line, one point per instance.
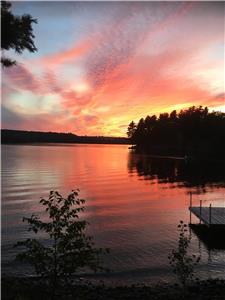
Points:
(193, 132)
(19, 137)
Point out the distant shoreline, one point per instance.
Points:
(14, 137)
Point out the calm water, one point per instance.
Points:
(134, 203)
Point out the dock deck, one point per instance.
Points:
(209, 215)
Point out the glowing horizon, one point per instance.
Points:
(101, 65)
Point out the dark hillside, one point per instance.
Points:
(20, 137)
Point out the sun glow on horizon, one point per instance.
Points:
(218, 108)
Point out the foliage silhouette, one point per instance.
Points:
(131, 129)
(181, 262)
(69, 248)
(17, 33)
(194, 133)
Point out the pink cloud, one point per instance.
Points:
(70, 98)
(67, 55)
(22, 78)
(51, 82)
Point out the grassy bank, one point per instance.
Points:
(33, 289)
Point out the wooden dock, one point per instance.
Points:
(210, 216)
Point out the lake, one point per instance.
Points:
(133, 204)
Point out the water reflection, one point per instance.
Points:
(132, 210)
(177, 172)
(212, 238)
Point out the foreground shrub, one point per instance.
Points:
(182, 263)
(69, 249)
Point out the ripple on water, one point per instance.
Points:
(131, 206)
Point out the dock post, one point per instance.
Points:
(190, 206)
(210, 214)
(200, 219)
(190, 199)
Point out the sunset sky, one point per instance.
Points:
(101, 65)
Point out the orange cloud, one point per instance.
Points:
(67, 55)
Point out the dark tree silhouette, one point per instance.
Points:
(17, 33)
(194, 132)
(173, 116)
(140, 133)
(131, 130)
